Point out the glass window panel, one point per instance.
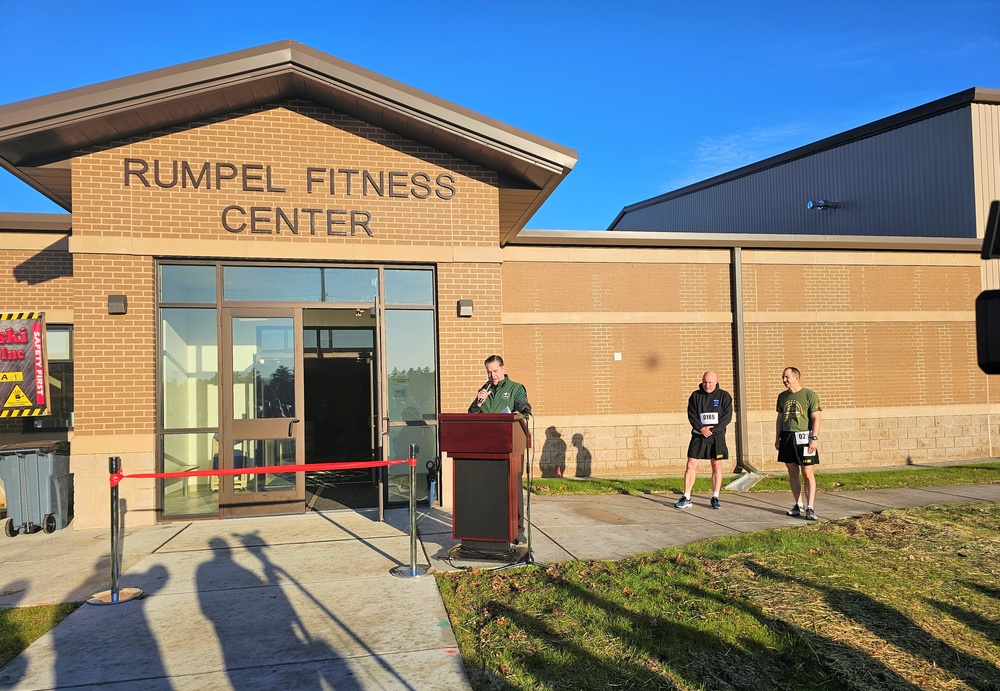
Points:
(58, 343)
(263, 367)
(409, 287)
(353, 339)
(400, 438)
(262, 453)
(187, 283)
(186, 496)
(272, 283)
(409, 353)
(189, 367)
(350, 285)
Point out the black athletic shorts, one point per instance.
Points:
(713, 448)
(791, 451)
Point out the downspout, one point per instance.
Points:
(739, 357)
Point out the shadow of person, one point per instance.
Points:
(121, 632)
(260, 625)
(552, 462)
(897, 629)
(583, 457)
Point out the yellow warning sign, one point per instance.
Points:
(17, 399)
(11, 376)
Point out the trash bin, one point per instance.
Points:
(38, 486)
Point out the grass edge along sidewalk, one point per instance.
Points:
(900, 599)
(979, 472)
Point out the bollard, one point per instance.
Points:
(413, 571)
(115, 595)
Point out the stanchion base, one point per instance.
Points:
(124, 595)
(407, 572)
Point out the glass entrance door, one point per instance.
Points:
(341, 408)
(262, 404)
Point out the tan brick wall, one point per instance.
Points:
(465, 342)
(876, 335)
(115, 356)
(290, 140)
(37, 280)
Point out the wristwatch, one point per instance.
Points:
(815, 438)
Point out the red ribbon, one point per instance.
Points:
(353, 465)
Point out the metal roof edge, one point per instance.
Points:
(197, 75)
(32, 222)
(922, 112)
(653, 239)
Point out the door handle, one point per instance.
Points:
(290, 423)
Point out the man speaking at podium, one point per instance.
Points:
(500, 394)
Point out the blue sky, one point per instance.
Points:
(653, 95)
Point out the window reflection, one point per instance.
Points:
(263, 367)
(189, 368)
(184, 496)
(409, 287)
(299, 284)
(409, 354)
(187, 283)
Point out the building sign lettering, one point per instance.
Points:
(317, 181)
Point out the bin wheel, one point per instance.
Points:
(49, 524)
(9, 528)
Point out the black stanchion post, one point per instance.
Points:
(414, 571)
(115, 595)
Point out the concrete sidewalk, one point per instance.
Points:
(308, 602)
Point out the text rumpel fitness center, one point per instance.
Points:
(322, 181)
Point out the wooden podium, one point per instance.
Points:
(487, 449)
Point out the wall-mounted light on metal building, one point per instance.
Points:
(117, 304)
(465, 308)
(822, 205)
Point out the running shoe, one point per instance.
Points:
(794, 512)
(810, 514)
(683, 503)
(715, 503)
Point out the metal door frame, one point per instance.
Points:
(232, 504)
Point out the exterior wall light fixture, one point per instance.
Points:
(117, 304)
(822, 205)
(465, 308)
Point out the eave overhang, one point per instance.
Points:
(40, 136)
(659, 239)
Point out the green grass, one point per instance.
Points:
(22, 626)
(903, 599)
(970, 474)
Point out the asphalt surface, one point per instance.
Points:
(310, 601)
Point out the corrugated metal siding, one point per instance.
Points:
(916, 180)
(986, 148)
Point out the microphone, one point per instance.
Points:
(522, 406)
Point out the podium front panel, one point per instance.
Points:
(482, 508)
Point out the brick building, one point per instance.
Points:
(263, 258)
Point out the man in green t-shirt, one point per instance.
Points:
(498, 395)
(796, 438)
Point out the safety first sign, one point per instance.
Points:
(24, 386)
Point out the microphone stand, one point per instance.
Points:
(527, 559)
